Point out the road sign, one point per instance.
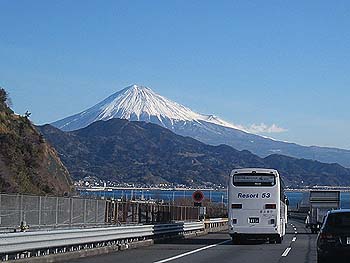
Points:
(198, 196)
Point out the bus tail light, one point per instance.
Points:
(234, 221)
(270, 206)
(236, 206)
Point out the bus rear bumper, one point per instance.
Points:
(239, 234)
(265, 237)
(253, 230)
(254, 236)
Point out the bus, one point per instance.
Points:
(257, 207)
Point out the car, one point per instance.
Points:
(334, 236)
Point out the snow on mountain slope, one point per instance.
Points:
(137, 103)
(141, 104)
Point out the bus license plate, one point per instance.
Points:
(253, 220)
(348, 240)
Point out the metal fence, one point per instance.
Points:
(145, 212)
(216, 211)
(51, 212)
(46, 211)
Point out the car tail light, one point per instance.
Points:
(272, 221)
(270, 206)
(236, 206)
(327, 237)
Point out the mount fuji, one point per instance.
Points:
(138, 103)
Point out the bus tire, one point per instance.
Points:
(236, 240)
(279, 240)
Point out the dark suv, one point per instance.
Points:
(334, 237)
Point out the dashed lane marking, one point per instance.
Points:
(191, 252)
(288, 249)
(285, 253)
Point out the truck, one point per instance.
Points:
(320, 203)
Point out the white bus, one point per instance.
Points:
(257, 205)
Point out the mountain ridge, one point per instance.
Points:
(138, 103)
(138, 152)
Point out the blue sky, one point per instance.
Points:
(249, 62)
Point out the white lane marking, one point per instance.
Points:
(295, 232)
(285, 253)
(294, 239)
(191, 252)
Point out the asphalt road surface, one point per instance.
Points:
(298, 246)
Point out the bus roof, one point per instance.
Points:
(254, 170)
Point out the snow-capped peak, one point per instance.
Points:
(138, 103)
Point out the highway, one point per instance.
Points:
(298, 246)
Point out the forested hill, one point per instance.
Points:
(138, 152)
(27, 163)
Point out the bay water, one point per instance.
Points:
(169, 195)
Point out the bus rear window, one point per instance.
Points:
(254, 179)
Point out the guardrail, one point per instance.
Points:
(34, 244)
(216, 224)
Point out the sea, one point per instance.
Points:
(169, 195)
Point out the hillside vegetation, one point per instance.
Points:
(139, 152)
(27, 163)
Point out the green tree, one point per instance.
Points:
(27, 114)
(3, 96)
(4, 100)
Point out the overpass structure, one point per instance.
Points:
(323, 188)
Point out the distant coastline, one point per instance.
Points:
(111, 188)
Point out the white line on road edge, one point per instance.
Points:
(191, 252)
(294, 238)
(285, 253)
